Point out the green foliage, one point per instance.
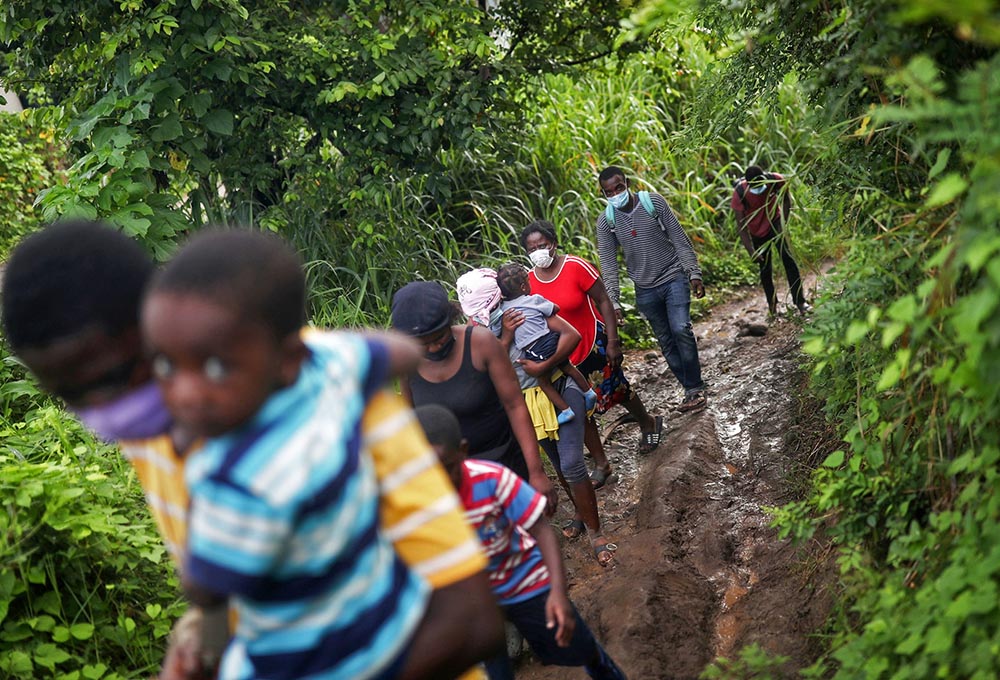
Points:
(85, 588)
(196, 111)
(752, 663)
(26, 168)
(546, 169)
(905, 343)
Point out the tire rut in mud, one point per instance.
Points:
(699, 573)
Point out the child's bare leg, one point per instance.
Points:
(574, 373)
(552, 393)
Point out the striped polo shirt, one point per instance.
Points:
(502, 507)
(284, 519)
(421, 513)
(653, 256)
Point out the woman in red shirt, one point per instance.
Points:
(576, 286)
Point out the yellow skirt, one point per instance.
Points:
(543, 414)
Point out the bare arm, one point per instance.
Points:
(505, 383)
(198, 595)
(461, 627)
(741, 227)
(599, 294)
(569, 338)
(404, 352)
(558, 610)
(786, 204)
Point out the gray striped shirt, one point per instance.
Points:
(652, 256)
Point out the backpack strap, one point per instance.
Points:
(647, 204)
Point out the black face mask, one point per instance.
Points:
(442, 352)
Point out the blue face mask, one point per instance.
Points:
(619, 201)
(496, 318)
(757, 191)
(137, 414)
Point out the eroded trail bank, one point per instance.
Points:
(699, 573)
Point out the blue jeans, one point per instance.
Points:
(667, 307)
(529, 618)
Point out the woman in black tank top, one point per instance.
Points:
(467, 370)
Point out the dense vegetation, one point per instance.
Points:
(416, 142)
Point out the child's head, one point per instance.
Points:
(513, 281)
(445, 436)
(71, 297)
(478, 294)
(222, 323)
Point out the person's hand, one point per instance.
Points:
(532, 368)
(613, 352)
(559, 615)
(620, 315)
(541, 483)
(512, 318)
(183, 658)
(698, 288)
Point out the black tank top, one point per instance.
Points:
(470, 395)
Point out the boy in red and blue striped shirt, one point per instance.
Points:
(525, 566)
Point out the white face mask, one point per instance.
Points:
(541, 258)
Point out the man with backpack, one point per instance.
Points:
(661, 262)
(761, 203)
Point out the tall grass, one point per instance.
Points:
(628, 113)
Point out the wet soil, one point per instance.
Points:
(698, 572)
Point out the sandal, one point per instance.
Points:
(573, 529)
(650, 440)
(605, 553)
(693, 402)
(599, 477)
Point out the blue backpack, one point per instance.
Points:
(647, 203)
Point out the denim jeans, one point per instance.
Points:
(667, 307)
(583, 650)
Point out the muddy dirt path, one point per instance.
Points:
(698, 573)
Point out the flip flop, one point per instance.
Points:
(599, 477)
(573, 529)
(650, 440)
(605, 553)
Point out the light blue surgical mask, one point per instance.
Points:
(757, 191)
(496, 319)
(619, 201)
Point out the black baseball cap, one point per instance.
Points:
(421, 308)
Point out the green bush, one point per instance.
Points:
(86, 588)
(906, 354)
(27, 166)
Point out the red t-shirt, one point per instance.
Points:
(568, 289)
(761, 210)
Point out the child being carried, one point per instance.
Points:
(485, 295)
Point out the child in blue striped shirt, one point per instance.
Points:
(284, 519)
